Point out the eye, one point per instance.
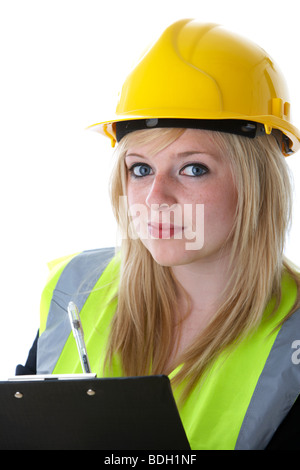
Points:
(138, 170)
(194, 169)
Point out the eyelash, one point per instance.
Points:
(199, 165)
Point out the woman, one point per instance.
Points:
(199, 290)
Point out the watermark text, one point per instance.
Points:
(161, 221)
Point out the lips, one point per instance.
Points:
(163, 230)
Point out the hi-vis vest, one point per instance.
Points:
(247, 392)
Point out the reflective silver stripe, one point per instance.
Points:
(276, 391)
(75, 283)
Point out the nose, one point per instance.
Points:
(161, 193)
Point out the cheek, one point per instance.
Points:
(220, 208)
(137, 212)
(135, 194)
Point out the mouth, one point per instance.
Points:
(163, 231)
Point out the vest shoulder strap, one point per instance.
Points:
(75, 283)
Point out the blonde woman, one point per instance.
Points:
(199, 289)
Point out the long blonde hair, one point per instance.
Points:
(143, 327)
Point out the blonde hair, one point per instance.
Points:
(143, 327)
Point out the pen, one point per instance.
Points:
(77, 329)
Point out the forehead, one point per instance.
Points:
(189, 140)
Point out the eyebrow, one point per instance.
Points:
(178, 155)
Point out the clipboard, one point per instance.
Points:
(132, 413)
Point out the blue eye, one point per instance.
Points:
(194, 169)
(139, 170)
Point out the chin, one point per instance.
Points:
(171, 252)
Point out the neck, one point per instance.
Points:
(204, 281)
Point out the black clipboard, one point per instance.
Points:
(134, 413)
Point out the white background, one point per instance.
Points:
(61, 65)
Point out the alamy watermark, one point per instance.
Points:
(161, 221)
(296, 353)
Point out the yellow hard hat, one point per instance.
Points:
(203, 76)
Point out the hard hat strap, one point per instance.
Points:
(231, 126)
